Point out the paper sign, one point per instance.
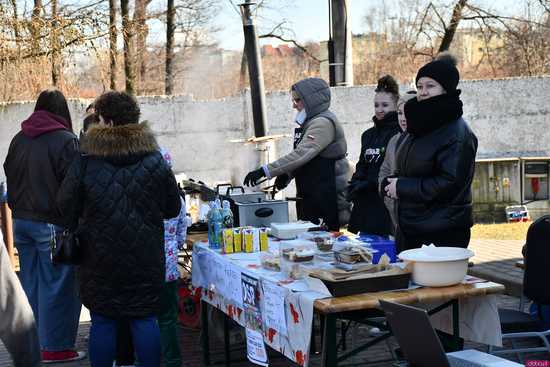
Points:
(216, 275)
(273, 306)
(251, 293)
(251, 302)
(234, 290)
(255, 348)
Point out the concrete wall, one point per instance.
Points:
(509, 117)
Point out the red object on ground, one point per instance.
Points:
(61, 356)
(189, 306)
(535, 185)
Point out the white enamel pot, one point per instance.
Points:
(437, 266)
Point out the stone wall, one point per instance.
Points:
(509, 116)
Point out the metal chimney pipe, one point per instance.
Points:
(255, 74)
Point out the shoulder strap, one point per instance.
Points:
(80, 208)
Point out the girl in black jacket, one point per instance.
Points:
(435, 166)
(369, 214)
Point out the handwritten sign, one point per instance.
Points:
(255, 348)
(216, 275)
(273, 306)
(233, 284)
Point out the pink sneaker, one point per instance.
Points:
(62, 356)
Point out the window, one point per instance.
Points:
(535, 185)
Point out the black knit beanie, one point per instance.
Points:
(443, 70)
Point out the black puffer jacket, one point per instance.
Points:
(369, 213)
(127, 190)
(37, 161)
(435, 168)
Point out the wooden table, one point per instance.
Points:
(331, 309)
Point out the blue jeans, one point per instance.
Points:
(102, 343)
(51, 290)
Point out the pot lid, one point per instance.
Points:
(432, 253)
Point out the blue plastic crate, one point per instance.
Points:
(383, 247)
(365, 237)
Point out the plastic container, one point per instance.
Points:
(323, 240)
(287, 231)
(270, 261)
(294, 254)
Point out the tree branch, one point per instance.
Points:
(295, 43)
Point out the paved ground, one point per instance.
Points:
(494, 260)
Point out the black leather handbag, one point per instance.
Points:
(65, 245)
(66, 248)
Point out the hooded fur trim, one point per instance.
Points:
(124, 140)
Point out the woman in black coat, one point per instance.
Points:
(435, 166)
(369, 214)
(122, 190)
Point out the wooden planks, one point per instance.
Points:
(427, 294)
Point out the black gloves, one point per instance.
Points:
(282, 181)
(253, 177)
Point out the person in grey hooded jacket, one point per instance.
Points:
(318, 162)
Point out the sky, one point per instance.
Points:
(309, 18)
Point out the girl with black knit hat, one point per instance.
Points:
(435, 166)
(369, 214)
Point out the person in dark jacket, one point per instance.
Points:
(369, 214)
(318, 161)
(387, 168)
(121, 190)
(37, 161)
(435, 165)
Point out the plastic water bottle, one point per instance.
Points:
(227, 215)
(210, 224)
(217, 225)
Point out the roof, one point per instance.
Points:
(513, 156)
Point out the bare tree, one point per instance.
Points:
(170, 31)
(450, 30)
(36, 23)
(127, 35)
(54, 44)
(141, 30)
(112, 45)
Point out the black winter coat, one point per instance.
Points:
(127, 191)
(37, 161)
(435, 172)
(369, 214)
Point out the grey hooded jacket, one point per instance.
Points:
(323, 135)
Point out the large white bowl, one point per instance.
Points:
(437, 266)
